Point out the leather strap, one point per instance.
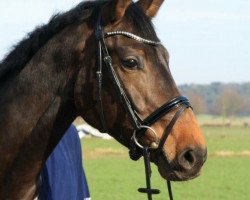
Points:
(99, 88)
(166, 108)
(169, 128)
(104, 55)
(170, 194)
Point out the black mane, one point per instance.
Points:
(141, 22)
(21, 54)
(26, 49)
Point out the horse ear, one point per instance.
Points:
(150, 7)
(114, 10)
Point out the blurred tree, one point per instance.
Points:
(245, 108)
(198, 102)
(213, 94)
(229, 102)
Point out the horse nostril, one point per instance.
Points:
(189, 156)
(187, 159)
(192, 158)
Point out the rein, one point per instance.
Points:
(140, 126)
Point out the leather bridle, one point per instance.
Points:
(179, 103)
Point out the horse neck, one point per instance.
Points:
(36, 108)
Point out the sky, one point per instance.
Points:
(208, 40)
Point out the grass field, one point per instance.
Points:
(226, 174)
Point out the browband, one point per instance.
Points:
(132, 36)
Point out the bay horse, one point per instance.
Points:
(50, 78)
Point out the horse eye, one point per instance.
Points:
(130, 63)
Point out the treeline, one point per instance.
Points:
(231, 99)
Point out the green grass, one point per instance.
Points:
(233, 120)
(227, 139)
(112, 175)
(222, 178)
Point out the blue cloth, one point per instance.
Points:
(63, 177)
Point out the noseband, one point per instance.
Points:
(179, 103)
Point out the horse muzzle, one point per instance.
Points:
(185, 166)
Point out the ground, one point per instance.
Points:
(112, 175)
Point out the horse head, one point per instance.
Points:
(134, 67)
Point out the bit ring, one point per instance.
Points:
(134, 138)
